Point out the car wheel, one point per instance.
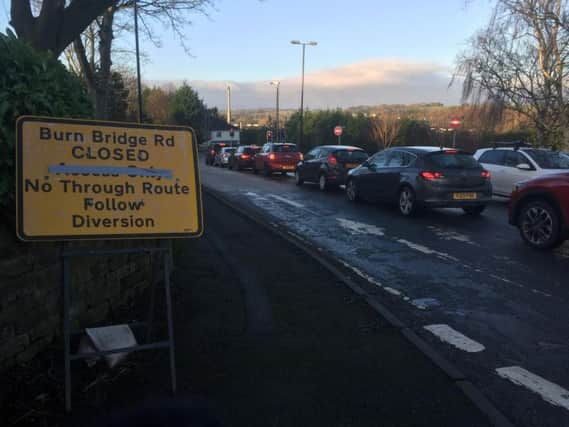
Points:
(539, 225)
(230, 166)
(352, 191)
(474, 210)
(267, 170)
(323, 183)
(254, 170)
(297, 179)
(407, 201)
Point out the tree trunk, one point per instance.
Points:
(56, 26)
(98, 79)
(105, 63)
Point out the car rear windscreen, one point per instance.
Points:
(446, 160)
(351, 156)
(285, 148)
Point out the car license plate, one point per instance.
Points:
(288, 168)
(464, 196)
(351, 165)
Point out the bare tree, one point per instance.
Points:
(91, 53)
(385, 130)
(520, 62)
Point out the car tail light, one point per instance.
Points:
(451, 151)
(245, 156)
(431, 176)
(212, 151)
(486, 174)
(272, 156)
(332, 160)
(301, 156)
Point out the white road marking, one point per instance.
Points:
(255, 196)
(392, 291)
(549, 391)
(426, 250)
(424, 303)
(375, 282)
(362, 274)
(545, 294)
(508, 281)
(293, 204)
(297, 236)
(451, 235)
(447, 334)
(287, 201)
(355, 227)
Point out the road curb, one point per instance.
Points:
(473, 393)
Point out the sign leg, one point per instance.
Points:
(169, 315)
(154, 275)
(67, 330)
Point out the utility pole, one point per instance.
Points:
(229, 104)
(277, 127)
(138, 82)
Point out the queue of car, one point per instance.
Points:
(413, 178)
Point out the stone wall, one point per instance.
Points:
(31, 291)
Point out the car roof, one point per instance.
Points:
(514, 149)
(422, 149)
(340, 147)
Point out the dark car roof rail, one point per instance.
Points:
(515, 144)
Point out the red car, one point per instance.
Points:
(540, 209)
(277, 158)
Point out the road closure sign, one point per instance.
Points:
(80, 179)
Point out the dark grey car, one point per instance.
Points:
(415, 177)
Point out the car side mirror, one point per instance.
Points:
(524, 167)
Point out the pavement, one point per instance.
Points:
(467, 286)
(274, 339)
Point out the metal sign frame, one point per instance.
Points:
(20, 180)
(67, 254)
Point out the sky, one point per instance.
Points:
(369, 51)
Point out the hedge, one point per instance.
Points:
(32, 83)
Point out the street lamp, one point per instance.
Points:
(277, 84)
(303, 44)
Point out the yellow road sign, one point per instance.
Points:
(79, 179)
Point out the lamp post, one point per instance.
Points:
(277, 84)
(303, 44)
(138, 83)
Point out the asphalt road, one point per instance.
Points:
(492, 306)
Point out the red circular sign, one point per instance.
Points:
(338, 130)
(455, 122)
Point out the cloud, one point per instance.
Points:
(371, 82)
